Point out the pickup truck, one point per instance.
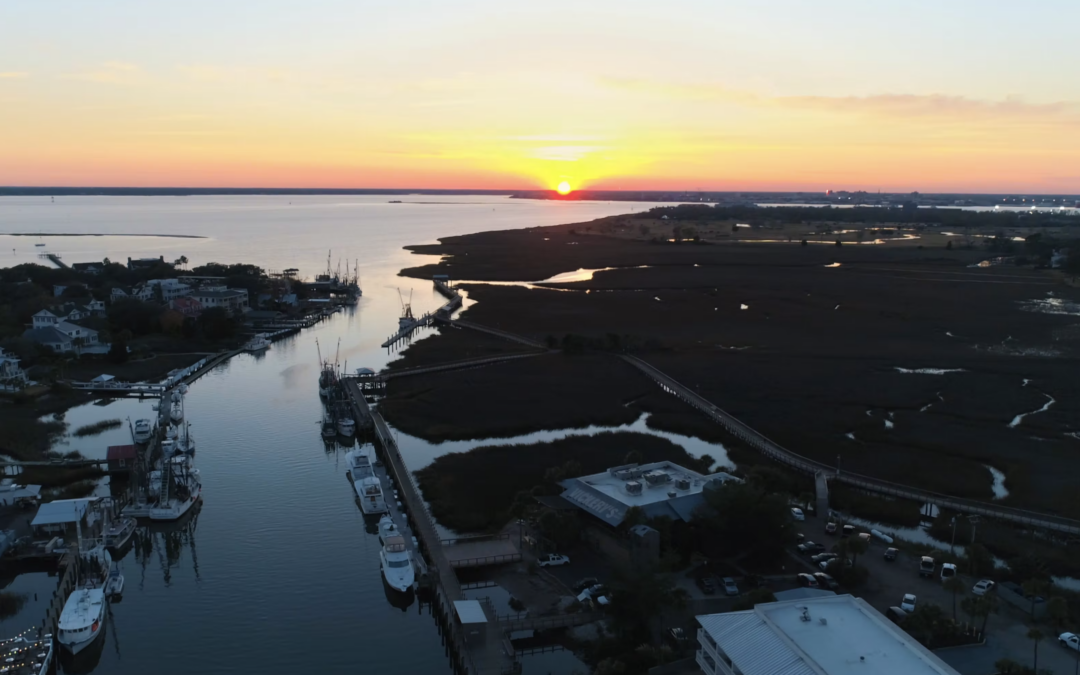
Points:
(552, 559)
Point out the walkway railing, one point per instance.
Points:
(775, 451)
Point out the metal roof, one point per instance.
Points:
(753, 645)
(469, 611)
(60, 511)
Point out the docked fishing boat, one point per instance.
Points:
(328, 375)
(114, 583)
(397, 564)
(360, 464)
(176, 412)
(118, 533)
(329, 429)
(178, 487)
(82, 620)
(171, 432)
(143, 431)
(22, 655)
(346, 425)
(257, 343)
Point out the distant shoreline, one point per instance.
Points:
(94, 234)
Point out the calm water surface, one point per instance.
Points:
(275, 573)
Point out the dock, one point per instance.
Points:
(492, 655)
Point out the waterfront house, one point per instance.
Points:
(65, 518)
(51, 338)
(141, 292)
(188, 306)
(12, 376)
(121, 458)
(145, 263)
(170, 288)
(65, 336)
(88, 268)
(233, 299)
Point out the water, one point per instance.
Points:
(275, 573)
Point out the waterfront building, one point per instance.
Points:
(839, 635)
(65, 518)
(188, 306)
(233, 299)
(89, 267)
(66, 337)
(170, 289)
(144, 263)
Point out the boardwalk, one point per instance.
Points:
(455, 365)
(500, 333)
(776, 452)
(480, 551)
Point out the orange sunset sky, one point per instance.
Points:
(783, 95)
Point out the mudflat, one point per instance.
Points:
(905, 363)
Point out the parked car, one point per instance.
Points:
(810, 547)
(706, 584)
(847, 531)
(948, 571)
(797, 513)
(806, 580)
(826, 581)
(1070, 640)
(826, 565)
(927, 566)
(824, 557)
(891, 553)
(983, 587)
(830, 528)
(587, 582)
(553, 559)
(908, 603)
(729, 586)
(896, 614)
(865, 536)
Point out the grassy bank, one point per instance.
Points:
(28, 428)
(97, 428)
(149, 369)
(474, 491)
(552, 391)
(455, 344)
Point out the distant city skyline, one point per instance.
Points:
(958, 97)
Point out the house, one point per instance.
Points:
(233, 299)
(837, 635)
(65, 336)
(12, 494)
(121, 458)
(145, 263)
(189, 307)
(88, 268)
(170, 288)
(12, 376)
(67, 312)
(65, 518)
(141, 292)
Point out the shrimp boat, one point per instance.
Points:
(178, 487)
(27, 656)
(396, 560)
(176, 412)
(328, 377)
(329, 429)
(257, 343)
(118, 533)
(82, 620)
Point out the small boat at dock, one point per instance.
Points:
(346, 425)
(114, 583)
(370, 493)
(257, 343)
(118, 533)
(329, 429)
(143, 431)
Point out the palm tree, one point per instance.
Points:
(856, 546)
(970, 606)
(988, 604)
(955, 586)
(1036, 636)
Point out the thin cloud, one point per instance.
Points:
(219, 74)
(111, 72)
(909, 106)
(13, 75)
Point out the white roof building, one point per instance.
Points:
(840, 635)
(659, 489)
(63, 512)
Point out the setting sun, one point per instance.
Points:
(563, 188)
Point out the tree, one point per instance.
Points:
(1057, 608)
(804, 243)
(954, 585)
(977, 560)
(970, 606)
(987, 604)
(1036, 636)
(948, 245)
(839, 243)
(742, 517)
(633, 457)
(217, 324)
(636, 599)
(1033, 589)
(924, 622)
(856, 546)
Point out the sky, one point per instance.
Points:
(941, 96)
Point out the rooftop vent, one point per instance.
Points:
(672, 494)
(633, 487)
(657, 477)
(682, 483)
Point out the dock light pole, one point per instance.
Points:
(952, 545)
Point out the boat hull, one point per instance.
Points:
(176, 510)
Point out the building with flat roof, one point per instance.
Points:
(658, 489)
(840, 635)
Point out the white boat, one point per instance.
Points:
(257, 343)
(178, 488)
(346, 426)
(360, 465)
(27, 656)
(114, 584)
(118, 533)
(370, 493)
(397, 565)
(143, 431)
(176, 412)
(170, 432)
(82, 621)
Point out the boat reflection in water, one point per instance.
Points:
(396, 598)
(164, 543)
